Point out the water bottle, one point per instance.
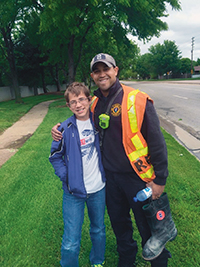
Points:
(142, 195)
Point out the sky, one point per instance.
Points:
(182, 26)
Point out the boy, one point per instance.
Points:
(77, 162)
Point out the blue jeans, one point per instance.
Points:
(73, 216)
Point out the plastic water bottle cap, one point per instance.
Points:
(135, 199)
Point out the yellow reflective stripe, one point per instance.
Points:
(140, 150)
(132, 119)
(92, 102)
(138, 153)
(147, 174)
(137, 142)
(132, 111)
(131, 97)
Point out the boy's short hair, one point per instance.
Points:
(76, 88)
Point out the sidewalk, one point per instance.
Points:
(15, 136)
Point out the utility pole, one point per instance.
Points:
(192, 55)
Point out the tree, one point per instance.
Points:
(143, 66)
(198, 62)
(185, 65)
(114, 42)
(4, 70)
(31, 62)
(165, 58)
(12, 14)
(66, 25)
(71, 33)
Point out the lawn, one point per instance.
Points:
(10, 111)
(31, 198)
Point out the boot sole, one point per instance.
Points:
(176, 232)
(171, 239)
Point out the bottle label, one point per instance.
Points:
(148, 191)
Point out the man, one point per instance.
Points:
(134, 156)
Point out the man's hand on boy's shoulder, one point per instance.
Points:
(56, 135)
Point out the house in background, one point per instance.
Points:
(196, 69)
(196, 72)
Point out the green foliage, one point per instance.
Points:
(89, 27)
(13, 16)
(144, 67)
(185, 65)
(165, 58)
(198, 62)
(4, 70)
(60, 37)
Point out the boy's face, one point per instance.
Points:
(80, 106)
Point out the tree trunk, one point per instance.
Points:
(57, 79)
(65, 74)
(55, 76)
(35, 90)
(43, 80)
(71, 68)
(15, 87)
(11, 60)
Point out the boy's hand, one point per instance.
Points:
(56, 135)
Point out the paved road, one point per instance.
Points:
(178, 106)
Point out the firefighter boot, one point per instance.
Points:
(161, 225)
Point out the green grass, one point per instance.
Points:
(31, 205)
(10, 111)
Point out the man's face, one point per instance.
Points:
(104, 77)
(79, 105)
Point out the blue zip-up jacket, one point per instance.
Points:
(67, 160)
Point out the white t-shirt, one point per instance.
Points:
(91, 172)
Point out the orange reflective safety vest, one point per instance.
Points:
(133, 109)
